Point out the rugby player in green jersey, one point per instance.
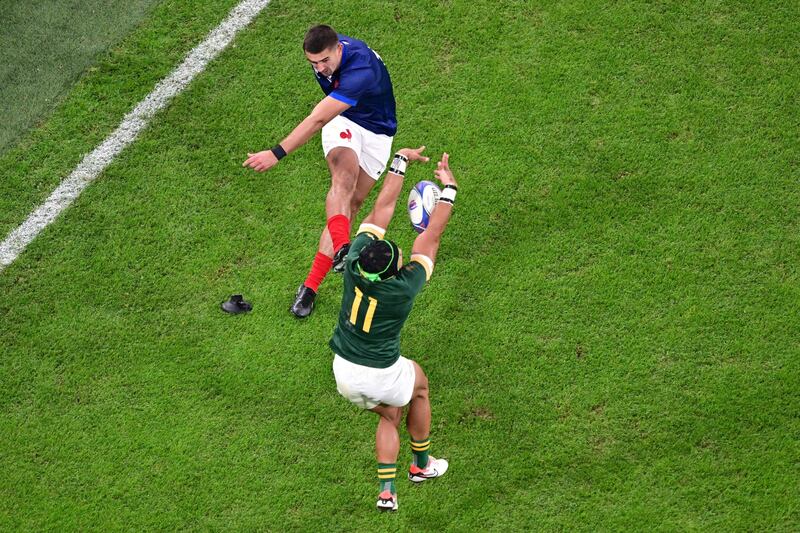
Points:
(378, 294)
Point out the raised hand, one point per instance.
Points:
(443, 172)
(414, 154)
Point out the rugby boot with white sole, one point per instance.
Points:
(434, 468)
(387, 501)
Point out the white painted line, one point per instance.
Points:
(134, 122)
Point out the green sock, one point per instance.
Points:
(386, 475)
(420, 450)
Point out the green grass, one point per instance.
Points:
(610, 333)
(46, 45)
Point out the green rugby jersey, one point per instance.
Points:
(373, 313)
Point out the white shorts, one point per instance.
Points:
(368, 387)
(373, 149)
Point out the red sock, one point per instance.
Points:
(319, 269)
(339, 228)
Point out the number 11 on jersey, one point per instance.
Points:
(373, 303)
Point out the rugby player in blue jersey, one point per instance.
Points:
(358, 123)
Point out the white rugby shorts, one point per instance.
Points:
(368, 387)
(373, 149)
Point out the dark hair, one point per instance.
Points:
(380, 257)
(319, 38)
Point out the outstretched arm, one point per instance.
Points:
(427, 243)
(323, 113)
(382, 212)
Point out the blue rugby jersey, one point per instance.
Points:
(363, 82)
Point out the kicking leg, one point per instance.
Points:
(343, 164)
(344, 167)
(364, 186)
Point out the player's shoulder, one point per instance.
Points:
(352, 43)
(415, 273)
(358, 243)
(421, 262)
(408, 282)
(371, 230)
(357, 53)
(410, 270)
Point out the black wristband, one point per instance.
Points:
(451, 187)
(279, 152)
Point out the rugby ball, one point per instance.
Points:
(421, 201)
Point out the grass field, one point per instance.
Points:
(45, 45)
(611, 332)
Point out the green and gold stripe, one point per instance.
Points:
(420, 446)
(386, 472)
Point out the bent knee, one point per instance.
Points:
(340, 156)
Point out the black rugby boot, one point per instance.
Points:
(303, 302)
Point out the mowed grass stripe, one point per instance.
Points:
(133, 123)
(609, 332)
(45, 46)
(98, 101)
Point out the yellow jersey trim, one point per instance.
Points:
(373, 229)
(426, 262)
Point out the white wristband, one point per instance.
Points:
(399, 164)
(448, 195)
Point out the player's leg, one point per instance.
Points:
(323, 261)
(364, 185)
(387, 438)
(343, 164)
(373, 156)
(372, 159)
(344, 167)
(384, 391)
(418, 423)
(387, 448)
